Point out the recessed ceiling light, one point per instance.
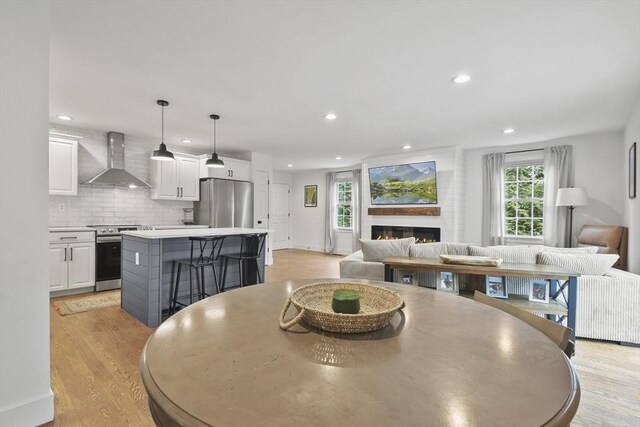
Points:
(186, 141)
(63, 117)
(508, 131)
(461, 78)
(338, 158)
(406, 147)
(289, 166)
(330, 116)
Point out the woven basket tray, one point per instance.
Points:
(484, 261)
(377, 307)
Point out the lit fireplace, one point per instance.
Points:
(391, 232)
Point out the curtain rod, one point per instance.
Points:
(524, 151)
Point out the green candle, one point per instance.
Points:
(346, 301)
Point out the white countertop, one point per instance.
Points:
(68, 229)
(191, 232)
(179, 226)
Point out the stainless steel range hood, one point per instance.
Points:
(115, 174)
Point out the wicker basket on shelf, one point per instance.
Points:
(377, 307)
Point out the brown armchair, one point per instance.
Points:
(610, 239)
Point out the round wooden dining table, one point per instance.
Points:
(444, 360)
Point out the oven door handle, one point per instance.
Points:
(108, 239)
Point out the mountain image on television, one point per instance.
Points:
(410, 184)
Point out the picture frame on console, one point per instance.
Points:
(310, 196)
(539, 291)
(632, 171)
(496, 287)
(447, 282)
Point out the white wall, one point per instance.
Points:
(25, 393)
(596, 162)
(108, 204)
(632, 206)
(447, 199)
(308, 224)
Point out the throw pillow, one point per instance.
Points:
(588, 264)
(580, 250)
(510, 254)
(378, 250)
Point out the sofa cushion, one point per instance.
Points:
(521, 254)
(434, 250)
(427, 250)
(354, 267)
(588, 264)
(378, 250)
(457, 248)
(580, 250)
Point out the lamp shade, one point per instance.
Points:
(572, 197)
(214, 162)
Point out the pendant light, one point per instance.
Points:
(214, 161)
(162, 153)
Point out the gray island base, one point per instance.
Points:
(148, 269)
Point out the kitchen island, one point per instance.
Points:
(148, 267)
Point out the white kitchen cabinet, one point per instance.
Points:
(234, 169)
(82, 269)
(63, 166)
(58, 266)
(178, 180)
(189, 174)
(72, 262)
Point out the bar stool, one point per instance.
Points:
(251, 249)
(209, 254)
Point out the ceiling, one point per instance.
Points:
(272, 69)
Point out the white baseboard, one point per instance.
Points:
(309, 248)
(29, 414)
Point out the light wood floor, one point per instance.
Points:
(96, 380)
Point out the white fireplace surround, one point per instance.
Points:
(450, 179)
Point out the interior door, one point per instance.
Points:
(81, 265)
(58, 266)
(279, 220)
(188, 174)
(261, 207)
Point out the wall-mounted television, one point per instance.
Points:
(409, 184)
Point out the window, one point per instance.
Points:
(524, 204)
(343, 204)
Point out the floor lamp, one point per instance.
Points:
(571, 197)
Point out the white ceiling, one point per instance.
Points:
(272, 69)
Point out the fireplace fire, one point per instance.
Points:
(391, 232)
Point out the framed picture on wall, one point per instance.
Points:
(310, 196)
(632, 171)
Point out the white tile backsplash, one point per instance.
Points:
(112, 205)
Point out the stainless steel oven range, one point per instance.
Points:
(109, 254)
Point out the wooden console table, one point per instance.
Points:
(563, 296)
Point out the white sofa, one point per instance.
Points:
(607, 303)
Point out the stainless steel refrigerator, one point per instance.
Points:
(224, 203)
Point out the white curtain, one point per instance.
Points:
(493, 227)
(557, 174)
(356, 202)
(330, 215)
